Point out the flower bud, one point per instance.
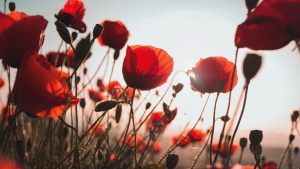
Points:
(74, 35)
(98, 29)
(295, 116)
(177, 88)
(171, 161)
(116, 54)
(251, 4)
(255, 137)
(12, 6)
(296, 150)
(148, 105)
(85, 70)
(243, 142)
(63, 31)
(118, 113)
(82, 103)
(225, 118)
(20, 147)
(251, 66)
(291, 138)
(82, 49)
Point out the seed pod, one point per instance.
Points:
(74, 35)
(295, 116)
(255, 137)
(225, 118)
(171, 161)
(148, 105)
(291, 138)
(243, 142)
(63, 31)
(251, 66)
(116, 54)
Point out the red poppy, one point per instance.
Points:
(63, 74)
(72, 14)
(272, 25)
(56, 59)
(210, 71)
(115, 89)
(101, 85)
(156, 147)
(129, 141)
(1, 82)
(177, 139)
(197, 135)
(70, 60)
(146, 67)
(39, 89)
(8, 164)
(98, 130)
(17, 36)
(115, 34)
(270, 165)
(96, 96)
(224, 149)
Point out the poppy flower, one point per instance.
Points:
(210, 71)
(156, 147)
(72, 14)
(96, 96)
(129, 141)
(98, 130)
(270, 165)
(197, 135)
(272, 25)
(39, 89)
(114, 35)
(177, 139)
(146, 67)
(115, 89)
(63, 74)
(8, 164)
(1, 82)
(224, 149)
(56, 59)
(17, 36)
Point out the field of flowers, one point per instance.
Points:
(57, 116)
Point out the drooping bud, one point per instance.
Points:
(243, 142)
(118, 113)
(12, 6)
(225, 118)
(177, 88)
(148, 105)
(171, 161)
(20, 147)
(291, 138)
(251, 66)
(82, 103)
(255, 137)
(97, 31)
(295, 116)
(63, 31)
(116, 54)
(251, 4)
(74, 35)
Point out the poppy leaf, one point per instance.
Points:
(105, 106)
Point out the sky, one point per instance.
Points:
(189, 30)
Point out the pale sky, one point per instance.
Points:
(189, 30)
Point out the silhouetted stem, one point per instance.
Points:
(285, 151)
(241, 155)
(228, 106)
(238, 124)
(212, 130)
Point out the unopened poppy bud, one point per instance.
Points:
(118, 113)
(296, 150)
(291, 138)
(63, 31)
(220, 86)
(243, 142)
(295, 116)
(98, 29)
(116, 54)
(255, 137)
(177, 88)
(74, 35)
(225, 118)
(12, 6)
(171, 161)
(82, 103)
(85, 70)
(82, 49)
(251, 4)
(228, 137)
(251, 66)
(20, 147)
(148, 105)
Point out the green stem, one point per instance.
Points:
(212, 130)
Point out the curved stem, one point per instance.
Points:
(228, 106)
(237, 126)
(285, 151)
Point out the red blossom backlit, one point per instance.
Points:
(96, 96)
(224, 149)
(270, 165)
(210, 71)
(1, 82)
(115, 88)
(129, 141)
(72, 14)
(115, 34)
(17, 36)
(197, 135)
(39, 89)
(70, 60)
(98, 130)
(272, 25)
(56, 59)
(156, 147)
(146, 67)
(8, 164)
(177, 139)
